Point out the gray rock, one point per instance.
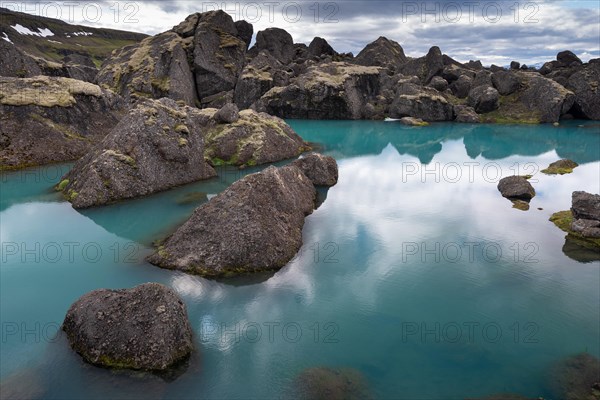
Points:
(258, 77)
(461, 87)
(438, 83)
(143, 328)
(46, 120)
(568, 59)
(516, 188)
(482, 78)
(382, 53)
(321, 170)
(278, 43)
(219, 54)
(157, 146)
(254, 225)
(336, 90)
(156, 67)
(585, 83)
(420, 102)
(245, 31)
(544, 97)
(483, 99)
(254, 139)
(588, 228)
(586, 206)
(319, 47)
(425, 67)
(506, 82)
(228, 114)
(466, 114)
(14, 63)
(515, 65)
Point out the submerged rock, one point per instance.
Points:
(45, 120)
(516, 188)
(330, 383)
(255, 225)
(143, 328)
(576, 378)
(157, 146)
(560, 167)
(253, 139)
(413, 121)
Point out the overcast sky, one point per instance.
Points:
(491, 31)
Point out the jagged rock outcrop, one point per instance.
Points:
(219, 54)
(254, 225)
(156, 146)
(382, 53)
(142, 328)
(45, 120)
(319, 47)
(278, 43)
(252, 139)
(335, 90)
(425, 67)
(156, 67)
(420, 102)
(14, 63)
(245, 30)
(258, 77)
(585, 83)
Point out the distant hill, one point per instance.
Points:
(53, 39)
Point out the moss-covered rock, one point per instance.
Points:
(45, 119)
(253, 139)
(564, 221)
(140, 156)
(560, 167)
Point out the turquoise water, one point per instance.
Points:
(414, 271)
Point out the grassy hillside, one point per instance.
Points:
(59, 39)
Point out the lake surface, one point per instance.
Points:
(414, 271)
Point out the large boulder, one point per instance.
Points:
(506, 82)
(466, 114)
(461, 87)
(219, 54)
(143, 328)
(483, 99)
(438, 83)
(567, 59)
(245, 31)
(156, 67)
(586, 206)
(321, 170)
(585, 83)
(278, 43)
(45, 120)
(253, 139)
(254, 225)
(420, 102)
(228, 114)
(516, 188)
(382, 53)
(319, 47)
(335, 90)
(155, 147)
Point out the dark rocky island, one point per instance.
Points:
(582, 221)
(143, 328)
(254, 225)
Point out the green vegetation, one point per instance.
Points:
(563, 220)
(561, 167)
(62, 185)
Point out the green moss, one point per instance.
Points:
(71, 195)
(162, 84)
(557, 171)
(182, 128)
(182, 142)
(62, 185)
(563, 220)
(561, 167)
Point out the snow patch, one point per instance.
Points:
(5, 37)
(43, 32)
(54, 41)
(82, 33)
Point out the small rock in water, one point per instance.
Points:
(516, 188)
